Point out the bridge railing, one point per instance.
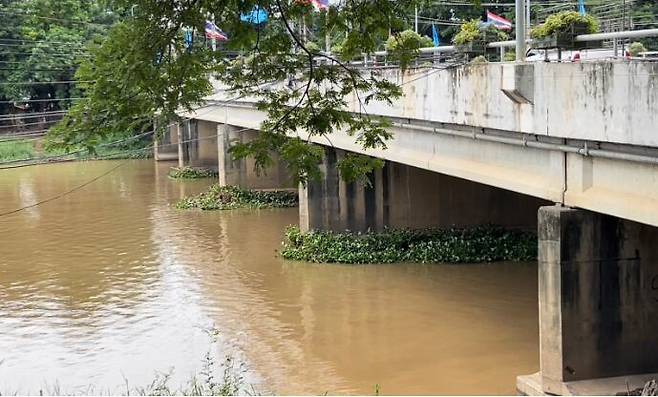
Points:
(443, 54)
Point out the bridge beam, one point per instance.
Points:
(402, 196)
(598, 300)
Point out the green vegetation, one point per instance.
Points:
(636, 48)
(482, 244)
(480, 59)
(16, 150)
(565, 22)
(473, 31)
(404, 47)
(232, 197)
(191, 173)
(510, 56)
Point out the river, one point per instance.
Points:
(110, 284)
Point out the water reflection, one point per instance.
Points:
(112, 281)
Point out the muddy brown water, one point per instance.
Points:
(111, 284)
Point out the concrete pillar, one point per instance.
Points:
(179, 137)
(243, 172)
(598, 302)
(401, 196)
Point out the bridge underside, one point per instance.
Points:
(598, 274)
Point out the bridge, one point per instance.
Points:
(570, 149)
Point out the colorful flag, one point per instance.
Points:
(498, 21)
(213, 32)
(256, 16)
(321, 4)
(581, 7)
(435, 36)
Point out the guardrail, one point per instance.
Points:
(436, 52)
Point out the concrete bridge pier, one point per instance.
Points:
(402, 196)
(598, 304)
(165, 147)
(242, 172)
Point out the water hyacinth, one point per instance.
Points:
(480, 244)
(232, 197)
(191, 173)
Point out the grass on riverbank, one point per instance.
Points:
(481, 244)
(232, 197)
(16, 150)
(30, 151)
(191, 173)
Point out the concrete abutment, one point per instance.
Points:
(598, 304)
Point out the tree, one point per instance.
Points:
(42, 41)
(145, 70)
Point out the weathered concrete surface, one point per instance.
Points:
(401, 196)
(612, 101)
(165, 147)
(201, 144)
(243, 172)
(598, 297)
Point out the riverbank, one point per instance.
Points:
(232, 197)
(29, 150)
(481, 244)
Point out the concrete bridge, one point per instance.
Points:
(568, 148)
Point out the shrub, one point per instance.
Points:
(231, 197)
(480, 59)
(481, 244)
(404, 47)
(509, 56)
(636, 48)
(474, 30)
(312, 47)
(191, 173)
(563, 22)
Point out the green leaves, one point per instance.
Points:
(404, 47)
(232, 197)
(562, 22)
(143, 72)
(481, 244)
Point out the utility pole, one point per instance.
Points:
(520, 30)
(416, 20)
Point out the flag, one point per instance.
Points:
(581, 7)
(498, 21)
(188, 36)
(256, 16)
(213, 32)
(435, 36)
(321, 5)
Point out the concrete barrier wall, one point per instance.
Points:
(612, 101)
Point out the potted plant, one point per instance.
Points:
(560, 31)
(473, 37)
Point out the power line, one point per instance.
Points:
(64, 193)
(48, 82)
(26, 124)
(42, 41)
(19, 116)
(43, 100)
(54, 19)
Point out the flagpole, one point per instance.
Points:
(520, 30)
